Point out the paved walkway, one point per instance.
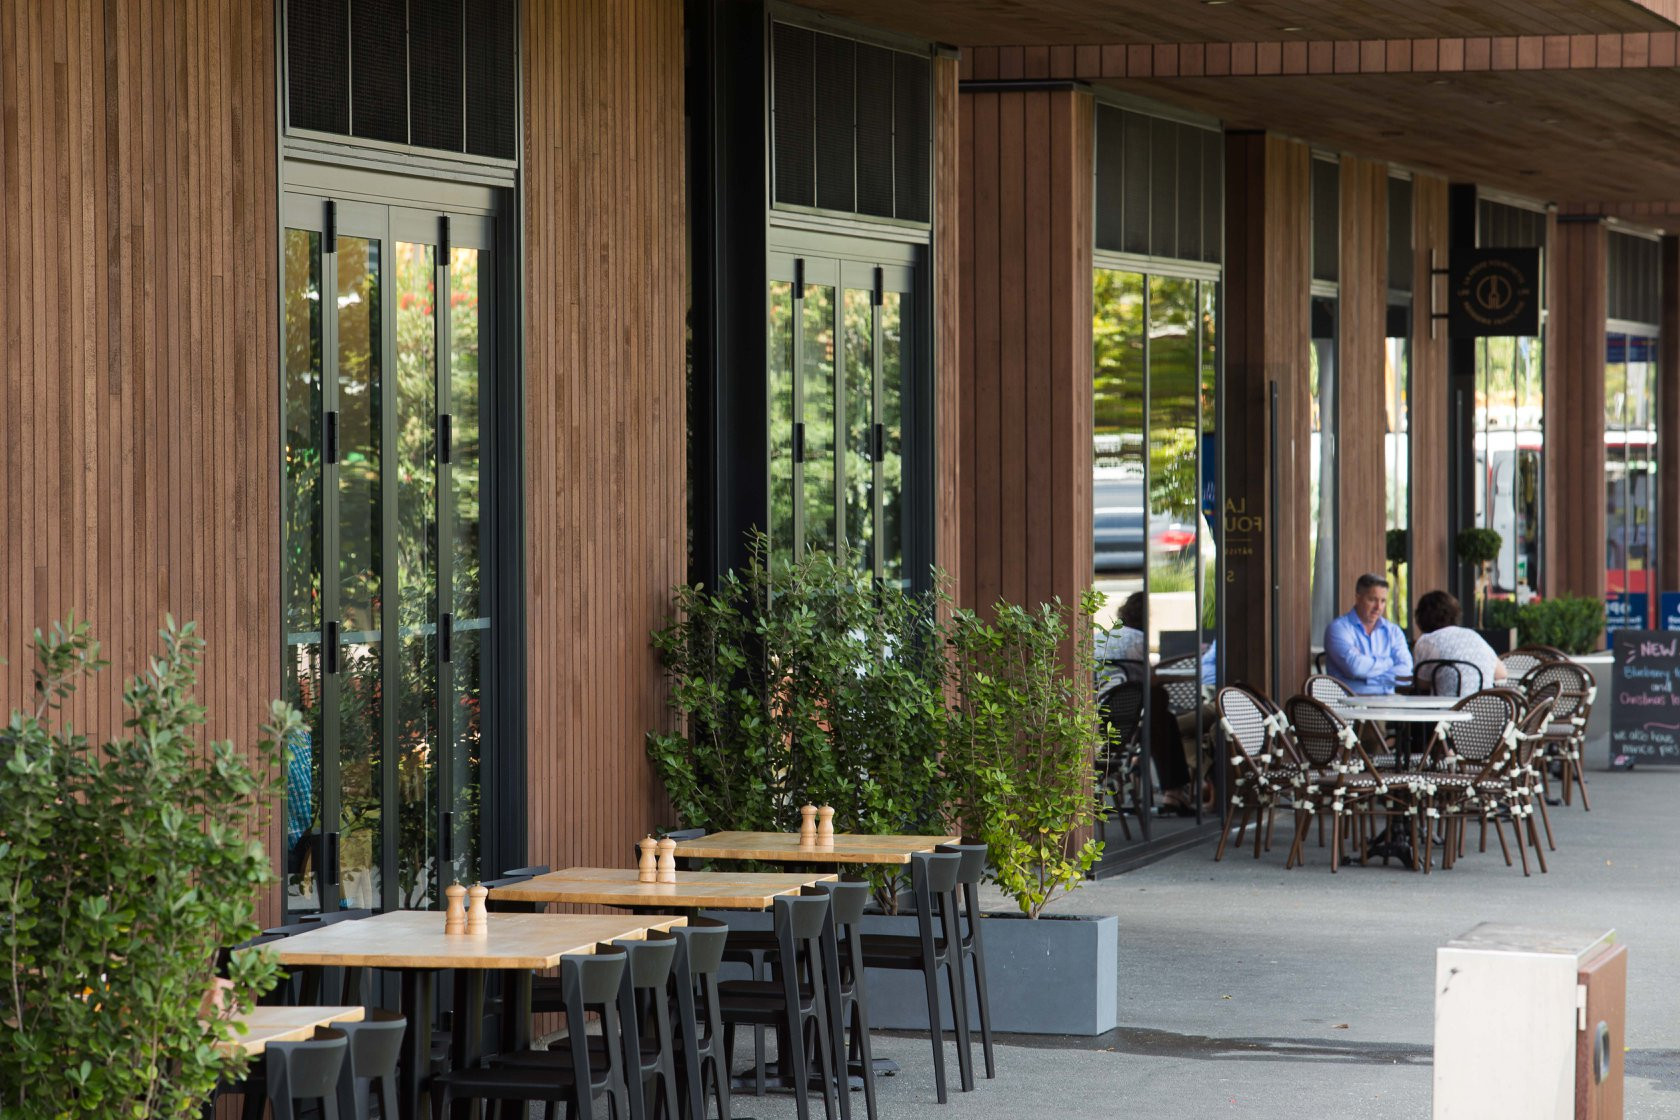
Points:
(1249, 991)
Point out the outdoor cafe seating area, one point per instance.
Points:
(679, 990)
(1421, 775)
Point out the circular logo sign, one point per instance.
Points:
(1495, 292)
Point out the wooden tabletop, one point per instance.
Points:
(415, 939)
(784, 847)
(614, 886)
(264, 1025)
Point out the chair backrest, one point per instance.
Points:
(333, 917)
(1574, 683)
(307, 1070)
(1324, 688)
(1243, 719)
(1183, 695)
(701, 944)
(1448, 676)
(591, 983)
(1532, 727)
(1321, 662)
(1518, 662)
(1493, 713)
(1318, 730)
(527, 872)
(1121, 709)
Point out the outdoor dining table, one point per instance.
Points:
(693, 890)
(264, 1025)
(412, 942)
(785, 847)
(1408, 710)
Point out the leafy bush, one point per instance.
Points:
(1020, 739)
(123, 868)
(1396, 544)
(1574, 624)
(1479, 548)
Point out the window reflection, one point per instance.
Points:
(1510, 442)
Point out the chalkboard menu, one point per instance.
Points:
(1645, 702)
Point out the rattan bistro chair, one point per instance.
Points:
(1447, 676)
(1340, 779)
(1468, 764)
(1120, 748)
(1263, 767)
(1566, 734)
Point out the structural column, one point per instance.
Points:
(1023, 481)
(1361, 496)
(1575, 410)
(1267, 336)
(1430, 567)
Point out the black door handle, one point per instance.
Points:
(447, 826)
(332, 858)
(331, 650)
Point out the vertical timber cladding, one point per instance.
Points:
(605, 499)
(1431, 566)
(1361, 359)
(1266, 339)
(1025, 396)
(1575, 409)
(138, 381)
(948, 235)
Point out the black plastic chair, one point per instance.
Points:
(301, 1071)
(1120, 709)
(699, 1022)
(795, 1003)
(936, 945)
(970, 872)
(848, 989)
(370, 1064)
(590, 984)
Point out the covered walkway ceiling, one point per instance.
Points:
(1567, 101)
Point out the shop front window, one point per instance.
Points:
(1630, 477)
(1510, 445)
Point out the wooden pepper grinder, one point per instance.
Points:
(646, 871)
(667, 860)
(455, 917)
(825, 827)
(807, 826)
(478, 916)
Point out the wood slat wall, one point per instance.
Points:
(1361, 496)
(138, 384)
(948, 291)
(1429, 390)
(1574, 456)
(1668, 421)
(605, 467)
(1267, 335)
(1025, 391)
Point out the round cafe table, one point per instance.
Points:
(1418, 715)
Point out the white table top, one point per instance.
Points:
(1396, 700)
(1410, 715)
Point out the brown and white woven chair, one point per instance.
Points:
(1264, 770)
(1120, 748)
(1468, 759)
(1567, 733)
(1339, 782)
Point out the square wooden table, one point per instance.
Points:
(784, 847)
(693, 890)
(413, 943)
(264, 1025)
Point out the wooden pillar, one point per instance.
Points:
(1668, 423)
(947, 303)
(1267, 336)
(1431, 562)
(1575, 410)
(1361, 497)
(1024, 473)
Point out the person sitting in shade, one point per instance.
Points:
(1441, 638)
(1123, 648)
(1364, 650)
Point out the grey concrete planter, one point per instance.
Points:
(1055, 975)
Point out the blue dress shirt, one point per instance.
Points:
(1366, 663)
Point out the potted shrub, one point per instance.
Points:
(124, 867)
(1397, 544)
(1479, 548)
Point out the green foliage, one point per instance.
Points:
(1398, 542)
(805, 682)
(1478, 546)
(1019, 744)
(1571, 623)
(123, 869)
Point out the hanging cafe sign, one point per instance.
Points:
(1493, 292)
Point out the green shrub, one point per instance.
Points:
(1479, 548)
(123, 868)
(1021, 734)
(1574, 624)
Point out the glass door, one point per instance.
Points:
(383, 310)
(839, 346)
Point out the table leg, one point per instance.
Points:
(417, 1040)
(466, 1041)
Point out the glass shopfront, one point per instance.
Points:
(1630, 433)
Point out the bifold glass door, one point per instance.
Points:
(839, 355)
(387, 362)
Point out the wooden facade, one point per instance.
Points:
(138, 384)
(605, 488)
(1361, 361)
(1574, 456)
(948, 305)
(1024, 447)
(1431, 564)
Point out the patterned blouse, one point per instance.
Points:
(1455, 643)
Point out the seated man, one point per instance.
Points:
(1441, 638)
(1364, 650)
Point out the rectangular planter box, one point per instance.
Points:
(1055, 975)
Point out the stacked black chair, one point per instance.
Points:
(795, 1004)
(700, 947)
(936, 945)
(970, 872)
(301, 1071)
(848, 991)
(589, 984)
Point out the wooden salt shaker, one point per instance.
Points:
(667, 860)
(455, 917)
(646, 869)
(807, 826)
(478, 916)
(825, 827)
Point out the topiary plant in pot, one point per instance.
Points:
(1479, 548)
(124, 868)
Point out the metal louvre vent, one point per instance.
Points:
(1160, 187)
(318, 64)
(379, 70)
(440, 74)
(851, 125)
(1502, 226)
(1632, 277)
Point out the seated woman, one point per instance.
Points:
(1441, 638)
(1122, 645)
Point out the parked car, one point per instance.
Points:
(1117, 525)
